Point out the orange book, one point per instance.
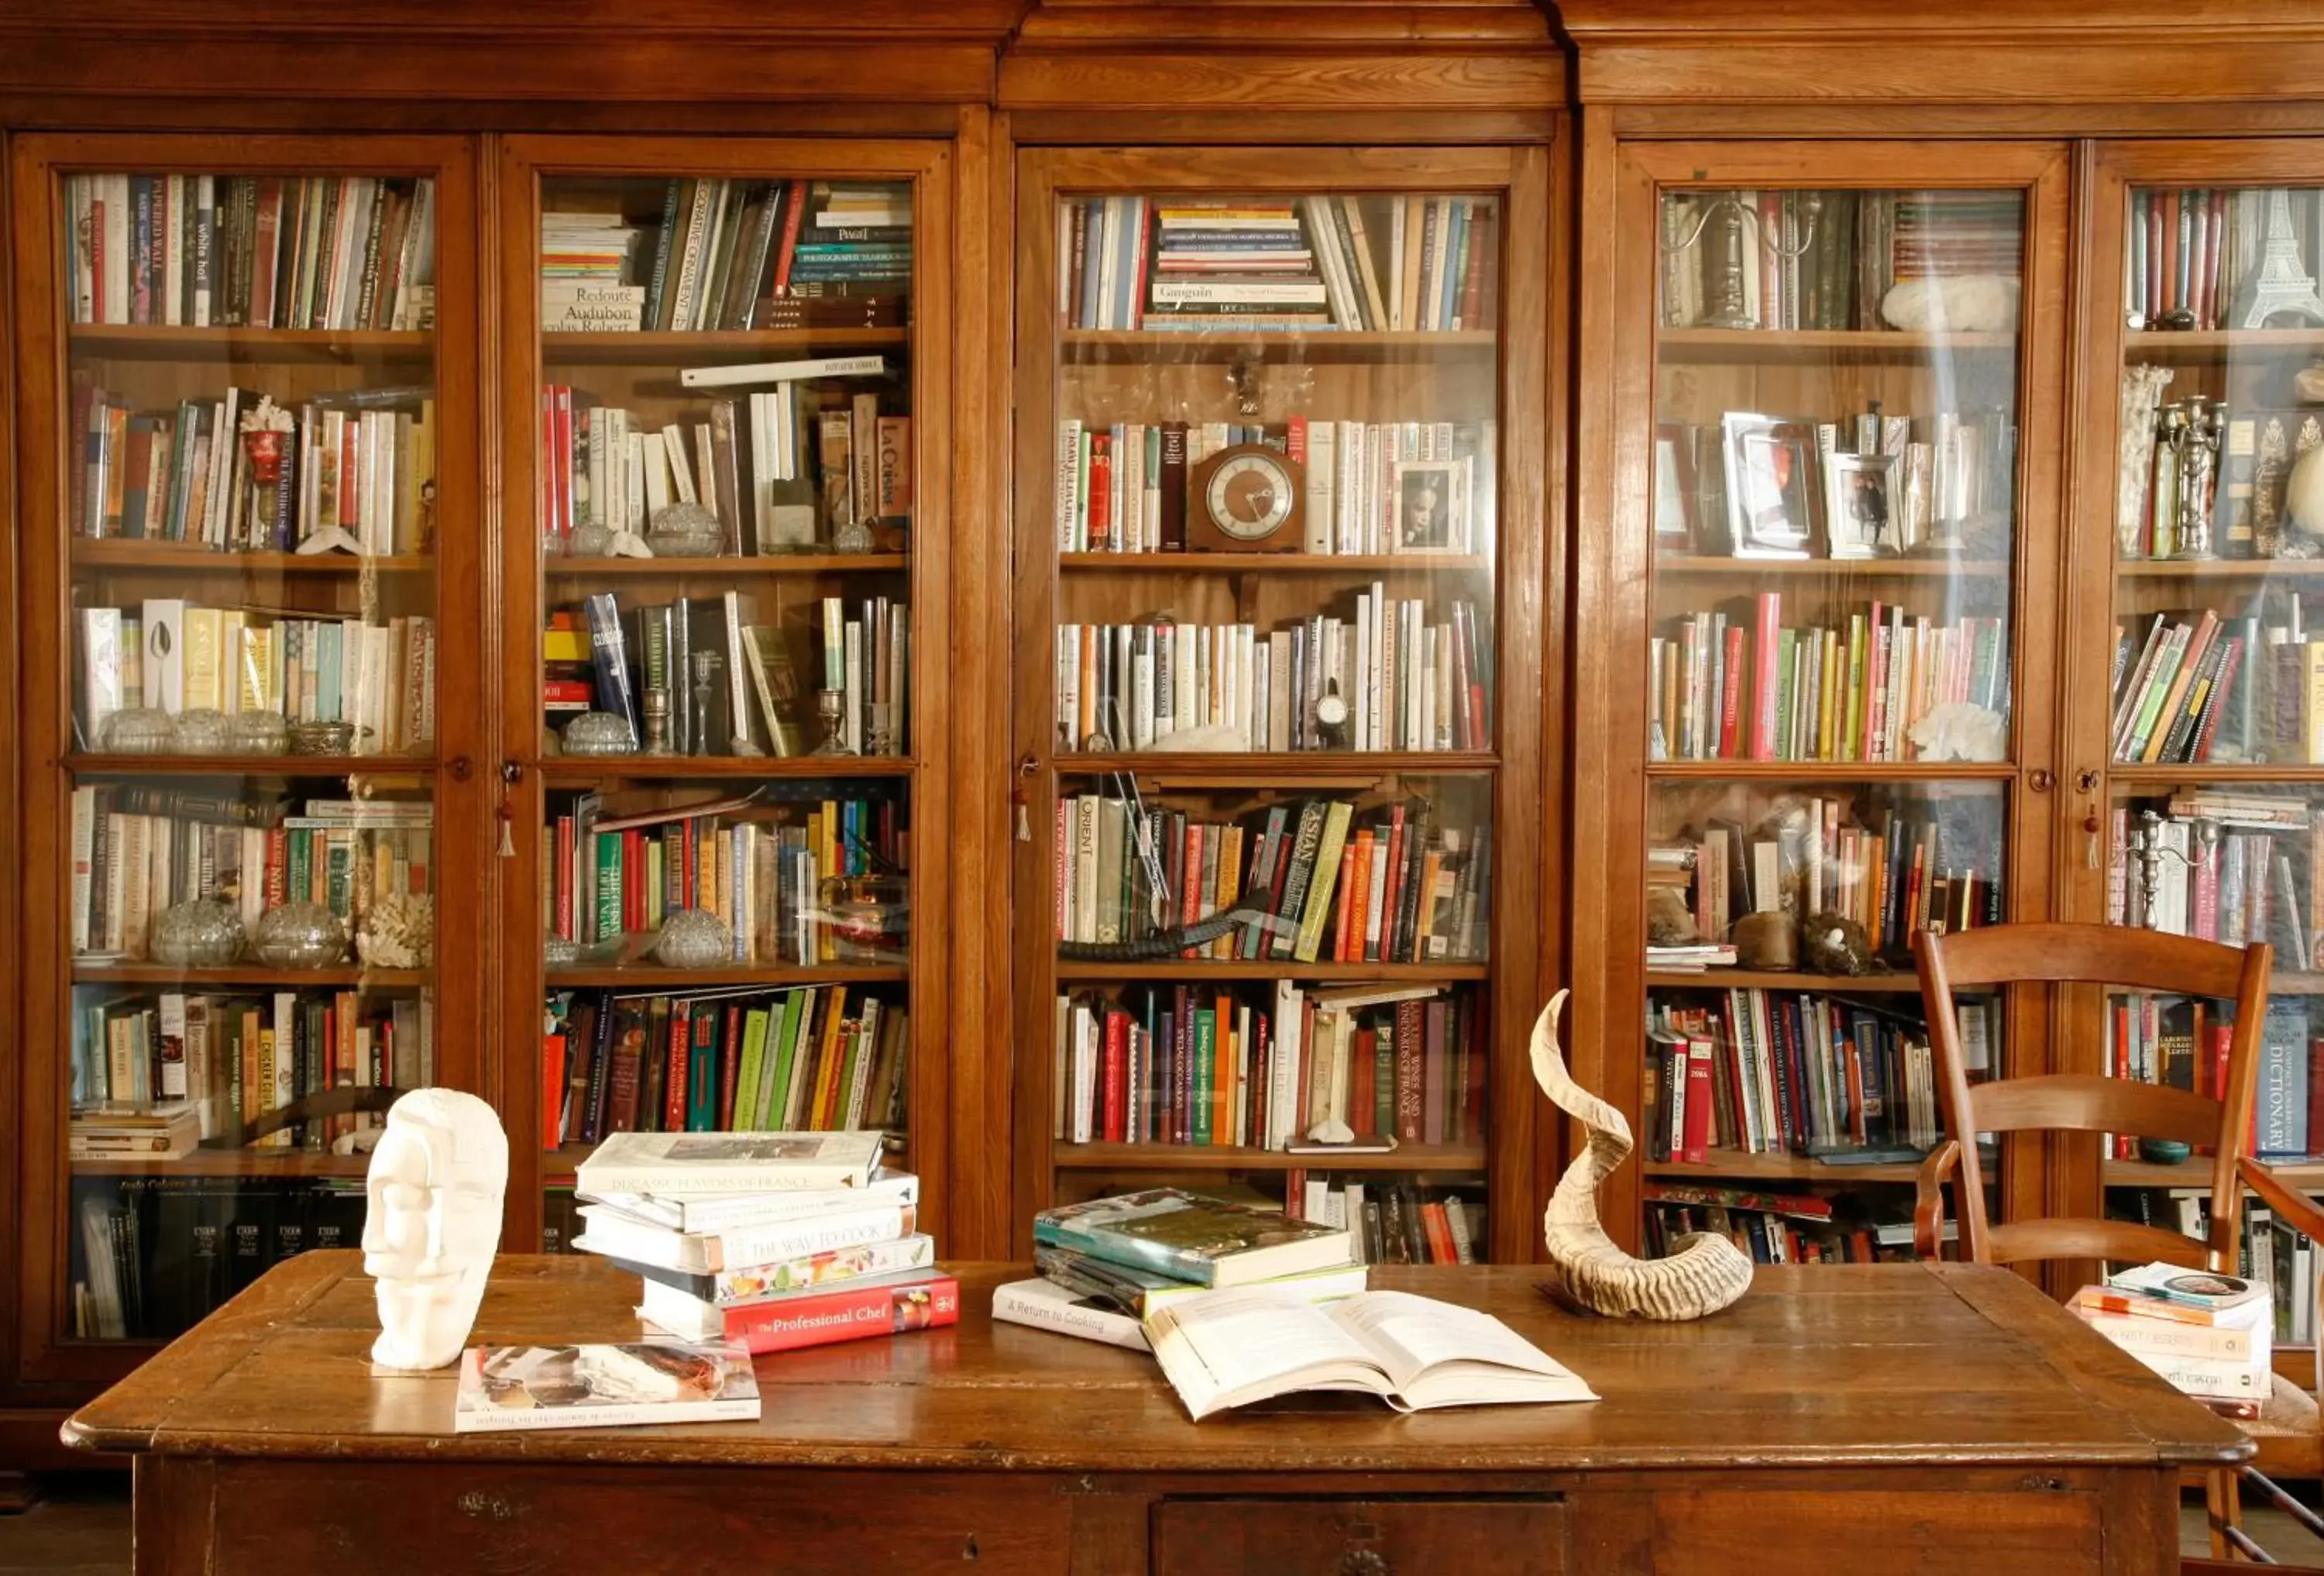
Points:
(1340, 906)
(1439, 1230)
(1360, 900)
(827, 1060)
(552, 1090)
(1223, 1072)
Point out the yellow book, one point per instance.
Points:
(826, 1064)
(204, 670)
(2311, 715)
(1228, 887)
(1325, 877)
(260, 689)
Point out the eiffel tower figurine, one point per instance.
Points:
(2281, 286)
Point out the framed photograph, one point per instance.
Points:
(1676, 500)
(1861, 507)
(1428, 500)
(1771, 493)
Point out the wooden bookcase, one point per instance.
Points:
(1108, 380)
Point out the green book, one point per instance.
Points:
(1384, 1080)
(608, 918)
(1206, 1052)
(1787, 690)
(750, 1102)
(1852, 742)
(798, 1009)
(1201, 1240)
(298, 864)
(702, 1070)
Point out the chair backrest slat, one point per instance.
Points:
(2125, 958)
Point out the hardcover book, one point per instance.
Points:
(505, 1387)
(1194, 1239)
(894, 1306)
(1044, 1305)
(727, 1162)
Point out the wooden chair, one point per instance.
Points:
(2287, 1432)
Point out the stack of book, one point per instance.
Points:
(585, 260)
(167, 654)
(1239, 262)
(165, 1129)
(1109, 1264)
(241, 474)
(1408, 683)
(1369, 486)
(332, 251)
(748, 1059)
(1319, 887)
(1718, 691)
(2208, 1335)
(2181, 1042)
(2223, 866)
(769, 1240)
(856, 244)
(1215, 1065)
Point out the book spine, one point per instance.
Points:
(846, 1315)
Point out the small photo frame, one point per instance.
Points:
(1861, 505)
(1771, 492)
(1676, 501)
(1428, 501)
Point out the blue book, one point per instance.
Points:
(1449, 287)
(2282, 1107)
(609, 654)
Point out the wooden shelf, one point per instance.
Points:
(721, 344)
(1231, 1158)
(2139, 344)
(283, 766)
(2195, 1171)
(2218, 568)
(1274, 563)
(1833, 770)
(1733, 1165)
(653, 977)
(2213, 771)
(1775, 980)
(250, 1163)
(1264, 766)
(1677, 564)
(1228, 343)
(186, 558)
(732, 568)
(248, 974)
(1079, 969)
(120, 341)
(597, 768)
(1771, 344)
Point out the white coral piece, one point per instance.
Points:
(1960, 730)
(398, 932)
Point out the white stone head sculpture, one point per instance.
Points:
(435, 1189)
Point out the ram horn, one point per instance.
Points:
(1705, 1273)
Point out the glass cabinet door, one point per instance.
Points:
(241, 524)
(2207, 542)
(1263, 670)
(1827, 716)
(728, 593)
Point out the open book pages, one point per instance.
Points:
(1227, 1348)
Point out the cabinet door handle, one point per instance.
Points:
(2041, 780)
(2087, 780)
(459, 766)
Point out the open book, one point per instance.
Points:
(1227, 1348)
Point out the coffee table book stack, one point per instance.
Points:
(770, 1241)
(2209, 1336)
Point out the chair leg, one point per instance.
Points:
(2275, 1496)
(2214, 1510)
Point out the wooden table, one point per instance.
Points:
(1897, 1417)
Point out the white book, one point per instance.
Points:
(1169, 291)
(1227, 1348)
(710, 1164)
(100, 658)
(84, 863)
(783, 371)
(1043, 1304)
(681, 473)
(169, 217)
(113, 193)
(1068, 495)
(512, 1388)
(1085, 1125)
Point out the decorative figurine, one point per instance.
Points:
(434, 1190)
(1704, 1274)
(657, 707)
(705, 690)
(831, 713)
(2281, 286)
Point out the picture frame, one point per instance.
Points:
(1431, 496)
(1861, 508)
(1772, 498)
(1677, 494)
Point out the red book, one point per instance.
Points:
(552, 1090)
(1117, 1076)
(1395, 885)
(1731, 700)
(848, 1313)
(1766, 681)
(1101, 490)
(1340, 951)
(1410, 1113)
(634, 879)
(1363, 1080)
(673, 1098)
(794, 204)
(1699, 1099)
(1439, 1231)
(2315, 1092)
(730, 1063)
(563, 912)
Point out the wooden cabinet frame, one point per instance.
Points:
(1615, 567)
(1521, 176)
(513, 1083)
(43, 1353)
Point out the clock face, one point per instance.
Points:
(1250, 497)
